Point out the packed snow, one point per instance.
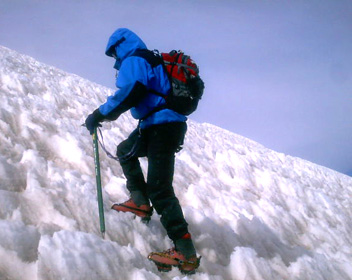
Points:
(253, 213)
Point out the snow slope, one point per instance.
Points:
(254, 213)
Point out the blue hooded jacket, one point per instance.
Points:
(136, 82)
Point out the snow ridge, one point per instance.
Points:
(254, 213)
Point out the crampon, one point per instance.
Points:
(172, 258)
(143, 211)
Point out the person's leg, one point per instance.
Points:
(128, 152)
(163, 142)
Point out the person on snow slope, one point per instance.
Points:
(158, 137)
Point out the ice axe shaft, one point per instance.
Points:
(98, 179)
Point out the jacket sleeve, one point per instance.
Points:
(132, 80)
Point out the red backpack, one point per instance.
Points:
(187, 86)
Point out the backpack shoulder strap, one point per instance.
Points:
(154, 59)
(151, 57)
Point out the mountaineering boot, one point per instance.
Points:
(144, 211)
(165, 260)
(183, 256)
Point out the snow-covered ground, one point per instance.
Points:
(254, 213)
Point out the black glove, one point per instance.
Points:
(93, 121)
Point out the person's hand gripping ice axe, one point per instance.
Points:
(93, 121)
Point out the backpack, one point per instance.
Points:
(186, 85)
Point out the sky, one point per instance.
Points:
(253, 213)
(277, 72)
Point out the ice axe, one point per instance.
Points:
(98, 179)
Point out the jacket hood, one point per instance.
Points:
(125, 43)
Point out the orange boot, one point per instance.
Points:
(144, 211)
(169, 258)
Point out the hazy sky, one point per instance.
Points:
(277, 72)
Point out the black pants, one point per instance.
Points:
(159, 144)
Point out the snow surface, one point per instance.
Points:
(253, 213)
